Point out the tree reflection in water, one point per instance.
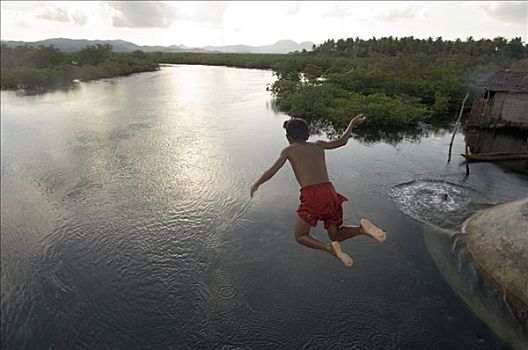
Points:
(391, 135)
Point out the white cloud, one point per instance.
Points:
(78, 17)
(138, 14)
(53, 13)
(337, 11)
(62, 13)
(212, 12)
(514, 11)
(294, 9)
(155, 14)
(404, 13)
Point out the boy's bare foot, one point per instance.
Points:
(345, 259)
(373, 231)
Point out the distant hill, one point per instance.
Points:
(76, 44)
(282, 46)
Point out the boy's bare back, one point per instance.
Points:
(308, 163)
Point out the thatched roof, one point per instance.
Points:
(507, 81)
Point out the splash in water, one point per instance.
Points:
(440, 203)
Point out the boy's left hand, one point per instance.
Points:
(254, 187)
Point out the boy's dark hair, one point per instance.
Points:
(296, 129)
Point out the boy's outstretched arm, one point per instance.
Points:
(268, 174)
(357, 120)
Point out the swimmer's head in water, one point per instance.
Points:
(296, 130)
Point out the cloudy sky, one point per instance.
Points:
(259, 23)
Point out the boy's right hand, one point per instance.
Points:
(358, 120)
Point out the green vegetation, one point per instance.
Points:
(390, 90)
(394, 81)
(46, 67)
(391, 46)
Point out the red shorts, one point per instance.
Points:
(321, 202)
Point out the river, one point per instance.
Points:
(126, 223)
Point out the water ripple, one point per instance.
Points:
(438, 202)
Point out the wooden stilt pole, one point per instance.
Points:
(457, 123)
(467, 160)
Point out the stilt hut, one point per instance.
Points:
(504, 102)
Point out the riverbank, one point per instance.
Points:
(236, 60)
(498, 240)
(37, 79)
(48, 68)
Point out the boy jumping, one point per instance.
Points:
(319, 200)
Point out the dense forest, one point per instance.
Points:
(31, 68)
(391, 46)
(394, 81)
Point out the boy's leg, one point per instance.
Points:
(302, 235)
(343, 232)
(365, 228)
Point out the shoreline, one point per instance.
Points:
(68, 84)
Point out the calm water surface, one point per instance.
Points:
(126, 223)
